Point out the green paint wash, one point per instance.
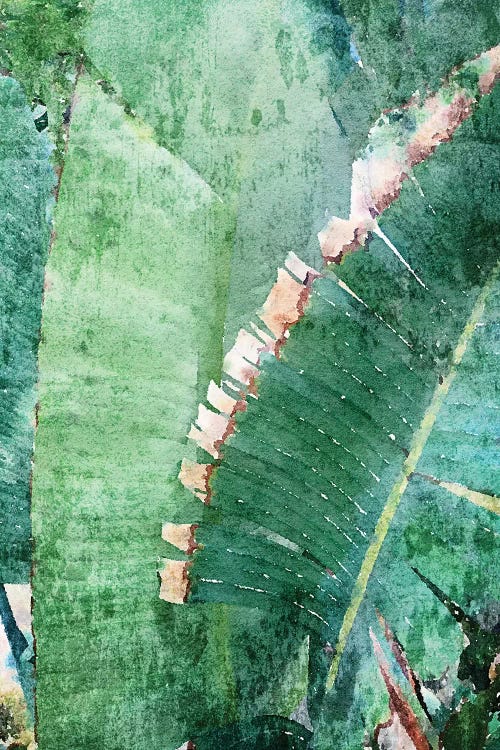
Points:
(407, 47)
(156, 257)
(128, 317)
(453, 543)
(241, 91)
(130, 332)
(26, 181)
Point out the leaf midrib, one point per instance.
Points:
(395, 496)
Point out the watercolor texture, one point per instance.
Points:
(250, 383)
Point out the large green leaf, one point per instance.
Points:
(405, 47)
(236, 90)
(26, 181)
(128, 204)
(241, 91)
(310, 483)
(40, 45)
(262, 733)
(123, 299)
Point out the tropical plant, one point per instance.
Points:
(14, 721)
(467, 723)
(382, 398)
(26, 184)
(202, 141)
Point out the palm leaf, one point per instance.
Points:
(41, 47)
(468, 725)
(168, 192)
(318, 465)
(94, 635)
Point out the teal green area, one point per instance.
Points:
(26, 181)
(208, 140)
(315, 457)
(127, 318)
(454, 544)
(463, 446)
(262, 733)
(266, 157)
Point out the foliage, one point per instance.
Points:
(26, 182)
(128, 204)
(207, 139)
(41, 47)
(467, 724)
(372, 385)
(14, 720)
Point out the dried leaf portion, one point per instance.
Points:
(400, 140)
(403, 730)
(174, 579)
(393, 149)
(194, 477)
(402, 661)
(283, 307)
(180, 535)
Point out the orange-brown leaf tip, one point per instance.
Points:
(180, 535)
(401, 711)
(219, 399)
(299, 269)
(203, 440)
(268, 340)
(241, 360)
(212, 430)
(392, 735)
(284, 304)
(340, 237)
(194, 476)
(174, 586)
(494, 668)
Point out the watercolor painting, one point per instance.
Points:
(250, 382)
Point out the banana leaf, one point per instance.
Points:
(385, 383)
(273, 198)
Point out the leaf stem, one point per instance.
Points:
(418, 443)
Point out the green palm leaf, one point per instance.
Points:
(381, 378)
(116, 683)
